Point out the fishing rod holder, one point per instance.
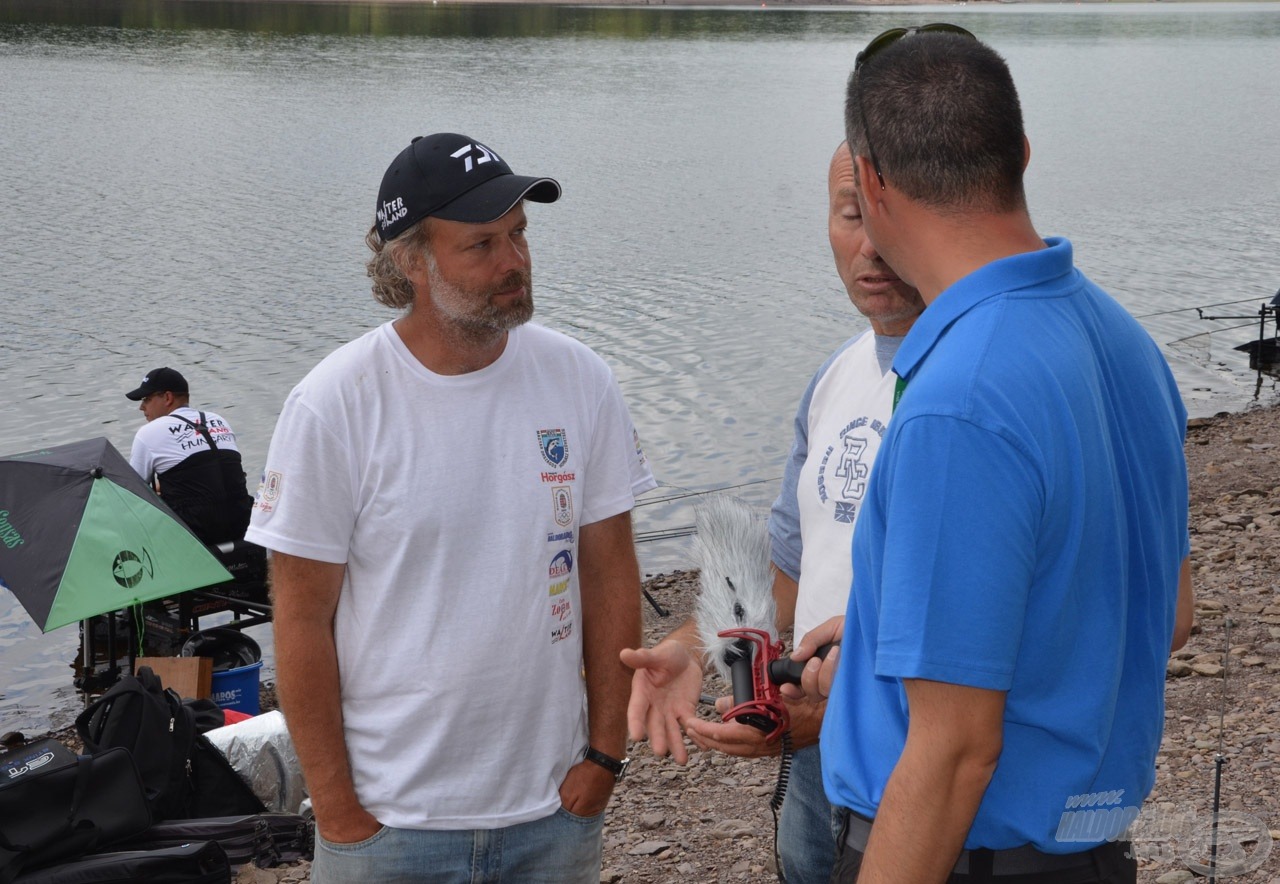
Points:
(1264, 352)
(756, 700)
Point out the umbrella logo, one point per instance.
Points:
(9, 535)
(128, 569)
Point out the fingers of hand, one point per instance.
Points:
(730, 738)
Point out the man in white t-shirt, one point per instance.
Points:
(838, 427)
(191, 457)
(448, 500)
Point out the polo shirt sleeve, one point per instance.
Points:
(963, 504)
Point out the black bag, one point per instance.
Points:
(206, 714)
(184, 774)
(202, 862)
(217, 790)
(57, 814)
(150, 721)
(292, 835)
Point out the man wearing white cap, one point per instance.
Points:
(448, 501)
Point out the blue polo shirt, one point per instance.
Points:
(1023, 532)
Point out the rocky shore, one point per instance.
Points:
(710, 821)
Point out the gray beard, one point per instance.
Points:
(483, 327)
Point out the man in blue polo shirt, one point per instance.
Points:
(1020, 565)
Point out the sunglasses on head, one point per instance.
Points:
(878, 44)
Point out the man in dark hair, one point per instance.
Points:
(838, 428)
(1020, 564)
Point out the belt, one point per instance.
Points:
(1025, 860)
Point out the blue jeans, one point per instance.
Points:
(810, 827)
(558, 849)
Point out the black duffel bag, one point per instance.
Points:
(56, 814)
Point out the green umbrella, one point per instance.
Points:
(82, 534)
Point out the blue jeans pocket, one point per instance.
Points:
(355, 846)
(580, 820)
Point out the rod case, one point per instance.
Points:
(202, 862)
(264, 839)
(245, 839)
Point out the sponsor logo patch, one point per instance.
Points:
(561, 565)
(562, 504)
(271, 483)
(554, 447)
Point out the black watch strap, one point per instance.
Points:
(615, 766)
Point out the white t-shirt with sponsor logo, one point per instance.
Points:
(456, 504)
(162, 444)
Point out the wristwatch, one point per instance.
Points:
(615, 766)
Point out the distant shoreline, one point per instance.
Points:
(721, 4)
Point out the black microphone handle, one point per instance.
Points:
(787, 671)
(739, 660)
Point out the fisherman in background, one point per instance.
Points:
(191, 458)
(841, 419)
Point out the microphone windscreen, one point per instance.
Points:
(736, 584)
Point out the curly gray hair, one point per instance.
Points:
(391, 285)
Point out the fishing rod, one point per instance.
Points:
(1201, 307)
(685, 492)
(1209, 332)
(665, 533)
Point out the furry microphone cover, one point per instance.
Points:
(736, 584)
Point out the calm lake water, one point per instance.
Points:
(188, 184)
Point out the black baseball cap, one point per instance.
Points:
(452, 177)
(159, 380)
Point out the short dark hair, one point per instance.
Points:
(945, 122)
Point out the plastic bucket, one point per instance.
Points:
(237, 665)
(238, 688)
(229, 648)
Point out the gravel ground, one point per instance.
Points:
(710, 820)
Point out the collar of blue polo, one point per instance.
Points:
(997, 278)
